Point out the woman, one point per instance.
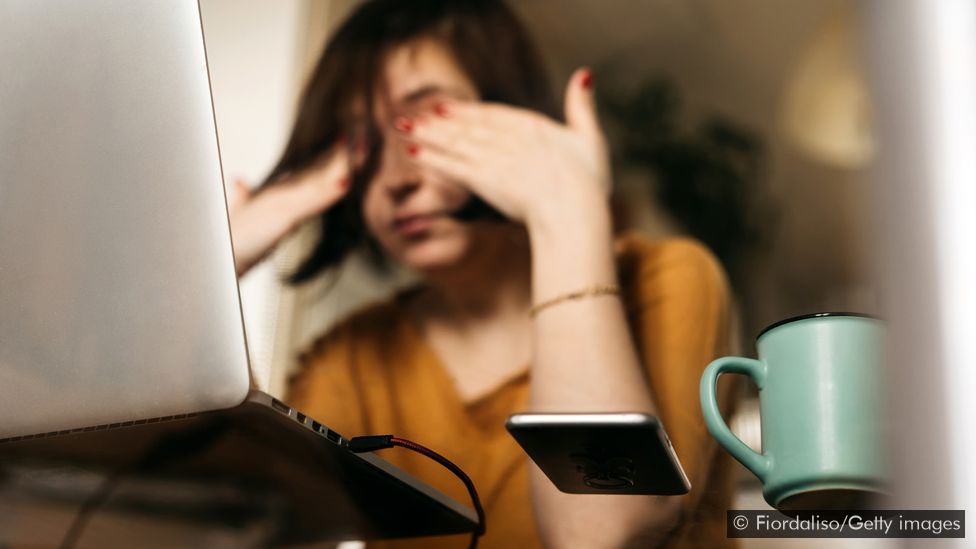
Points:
(427, 134)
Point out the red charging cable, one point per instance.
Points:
(380, 442)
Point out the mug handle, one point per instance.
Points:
(759, 464)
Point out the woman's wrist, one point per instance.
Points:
(573, 213)
(571, 249)
(280, 211)
(299, 200)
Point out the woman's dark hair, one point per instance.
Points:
(486, 39)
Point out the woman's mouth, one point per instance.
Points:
(411, 225)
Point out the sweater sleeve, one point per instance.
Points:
(679, 308)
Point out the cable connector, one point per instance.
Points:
(371, 443)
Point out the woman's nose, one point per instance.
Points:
(404, 177)
(399, 187)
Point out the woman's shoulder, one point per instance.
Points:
(637, 252)
(652, 266)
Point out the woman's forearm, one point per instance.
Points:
(258, 225)
(584, 360)
(260, 222)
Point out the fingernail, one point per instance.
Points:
(403, 124)
(413, 149)
(587, 80)
(344, 183)
(441, 108)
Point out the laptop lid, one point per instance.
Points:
(118, 295)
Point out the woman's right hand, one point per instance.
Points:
(258, 222)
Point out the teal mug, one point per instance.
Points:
(820, 397)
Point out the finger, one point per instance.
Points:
(438, 164)
(452, 137)
(495, 129)
(580, 105)
(448, 166)
(499, 118)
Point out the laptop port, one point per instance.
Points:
(301, 417)
(333, 436)
(280, 406)
(316, 426)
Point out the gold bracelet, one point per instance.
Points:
(591, 291)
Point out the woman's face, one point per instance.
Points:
(406, 210)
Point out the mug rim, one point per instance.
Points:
(808, 316)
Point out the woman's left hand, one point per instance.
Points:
(531, 168)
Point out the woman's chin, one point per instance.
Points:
(434, 253)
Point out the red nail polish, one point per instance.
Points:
(403, 124)
(344, 183)
(413, 149)
(587, 80)
(441, 108)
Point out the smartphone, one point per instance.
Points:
(607, 453)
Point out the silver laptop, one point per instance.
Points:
(119, 304)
